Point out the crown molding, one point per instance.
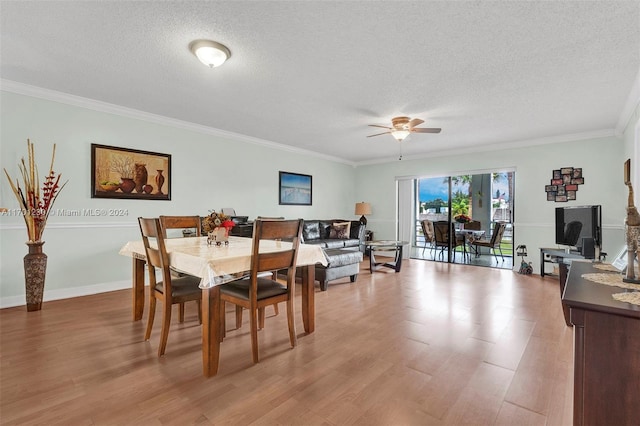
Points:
(629, 107)
(92, 104)
(603, 133)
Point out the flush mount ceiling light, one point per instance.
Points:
(209, 52)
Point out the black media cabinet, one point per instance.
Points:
(556, 255)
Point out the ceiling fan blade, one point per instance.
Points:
(425, 130)
(384, 127)
(378, 134)
(415, 122)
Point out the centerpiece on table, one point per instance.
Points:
(462, 218)
(217, 226)
(36, 205)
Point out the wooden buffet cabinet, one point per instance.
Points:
(606, 351)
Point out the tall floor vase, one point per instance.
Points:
(35, 268)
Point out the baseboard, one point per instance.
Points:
(67, 293)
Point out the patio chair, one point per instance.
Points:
(494, 242)
(443, 231)
(429, 234)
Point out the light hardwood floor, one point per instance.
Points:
(435, 344)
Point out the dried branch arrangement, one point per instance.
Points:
(35, 204)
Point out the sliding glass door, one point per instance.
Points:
(457, 216)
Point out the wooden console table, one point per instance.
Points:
(606, 352)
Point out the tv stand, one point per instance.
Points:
(555, 256)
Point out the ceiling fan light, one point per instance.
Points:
(209, 52)
(400, 135)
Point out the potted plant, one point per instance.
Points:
(35, 205)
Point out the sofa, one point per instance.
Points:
(343, 244)
(320, 232)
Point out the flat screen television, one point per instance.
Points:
(579, 227)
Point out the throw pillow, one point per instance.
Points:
(311, 230)
(340, 230)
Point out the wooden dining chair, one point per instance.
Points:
(190, 223)
(258, 290)
(170, 290)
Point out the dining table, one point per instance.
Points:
(468, 237)
(217, 265)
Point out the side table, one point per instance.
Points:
(385, 245)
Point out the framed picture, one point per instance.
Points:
(620, 262)
(129, 173)
(564, 184)
(294, 189)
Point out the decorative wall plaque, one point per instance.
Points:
(564, 184)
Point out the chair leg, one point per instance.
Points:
(166, 322)
(253, 314)
(261, 316)
(291, 322)
(199, 312)
(222, 321)
(152, 315)
(181, 315)
(275, 309)
(238, 316)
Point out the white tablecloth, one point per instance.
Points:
(220, 264)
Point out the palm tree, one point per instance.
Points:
(459, 204)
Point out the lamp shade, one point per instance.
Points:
(363, 208)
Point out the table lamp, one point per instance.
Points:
(363, 208)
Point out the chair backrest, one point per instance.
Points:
(441, 231)
(157, 257)
(498, 232)
(427, 230)
(474, 225)
(180, 222)
(288, 231)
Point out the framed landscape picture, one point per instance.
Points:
(294, 189)
(129, 173)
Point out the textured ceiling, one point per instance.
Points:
(314, 74)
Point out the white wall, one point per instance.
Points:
(208, 172)
(602, 165)
(632, 150)
(212, 171)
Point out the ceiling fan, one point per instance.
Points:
(403, 127)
